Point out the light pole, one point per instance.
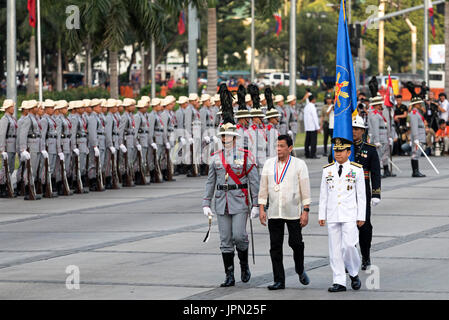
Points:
(292, 58)
(193, 58)
(11, 87)
(253, 40)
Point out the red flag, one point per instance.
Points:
(32, 12)
(181, 23)
(278, 27)
(389, 99)
(432, 19)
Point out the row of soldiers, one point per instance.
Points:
(92, 145)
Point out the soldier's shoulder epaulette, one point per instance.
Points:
(356, 164)
(369, 144)
(328, 165)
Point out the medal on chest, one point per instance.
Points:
(279, 178)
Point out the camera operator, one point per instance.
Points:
(432, 111)
(400, 120)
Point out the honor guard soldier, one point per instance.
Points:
(30, 143)
(285, 115)
(272, 128)
(285, 185)
(192, 129)
(418, 133)
(216, 105)
(21, 169)
(343, 205)
(181, 161)
(208, 132)
(8, 137)
(97, 143)
(242, 115)
(256, 131)
(157, 137)
(65, 134)
(366, 155)
(143, 131)
(171, 134)
(79, 139)
(127, 135)
(235, 183)
(293, 118)
(112, 133)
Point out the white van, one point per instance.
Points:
(281, 79)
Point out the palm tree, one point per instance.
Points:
(212, 47)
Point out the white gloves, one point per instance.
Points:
(112, 150)
(206, 139)
(167, 145)
(97, 151)
(216, 140)
(290, 133)
(25, 155)
(378, 144)
(207, 211)
(374, 201)
(183, 141)
(154, 146)
(123, 148)
(416, 141)
(5, 156)
(139, 147)
(254, 212)
(44, 154)
(61, 156)
(76, 151)
(191, 140)
(391, 141)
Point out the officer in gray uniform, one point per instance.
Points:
(170, 124)
(418, 133)
(256, 131)
(379, 134)
(111, 137)
(64, 132)
(293, 119)
(8, 135)
(208, 132)
(192, 127)
(97, 143)
(243, 118)
(79, 139)
(127, 135)
(157, 137)
(20, 170)
(50, 139)
(388, 114)
(181, 161)
(231, 173)
(284, 112)
(30, 142)
(142, 131)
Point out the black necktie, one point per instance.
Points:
(340, 170)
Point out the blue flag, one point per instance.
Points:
(345, 88)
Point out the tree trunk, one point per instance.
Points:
(446, 43)
(59, 75)
(146, 64)
(113, 74)
(89, 63)
(32, 66)
(211, 51)
(142, 65)
(131, 61)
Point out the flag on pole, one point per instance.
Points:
(278, 27)
(181, 23)
(32, 12)
(431, 18)
(389, 99)
(345, 90)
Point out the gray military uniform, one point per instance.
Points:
(231, 205)
(142, 131)
(157, 135)
(179, 132)
(258, 147)
(111, 138)
(65, 134)
(418, 132)
(284, 119)
(379, 134)
(50, 141)
(192, 127)
(293, 121)
(208, 130)
(30, 140)
(127, 136)
(8, 135)
(79, 140)
(96, 129)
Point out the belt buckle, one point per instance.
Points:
(225, 187)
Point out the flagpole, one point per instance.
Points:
(426, 41)
(292, 62)
(11, 87)
(253, 47)
(390, 126)
(39, 49)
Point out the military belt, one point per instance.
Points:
(81, 135)
(34, 136)
(100, 133)
(142, 131)
(52, 136)
(159, 130)
(66, 136)
(13, 136)
(226, 187)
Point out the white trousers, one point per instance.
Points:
(343, 237)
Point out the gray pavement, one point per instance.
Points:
(146, 243)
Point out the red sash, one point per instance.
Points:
(377, 112)
(415, 112)
(234, 176)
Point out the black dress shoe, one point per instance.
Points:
(366, 263)
(276, 286)
(304, 278)
(356, 284)
(337, 288)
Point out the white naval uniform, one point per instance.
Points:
(342, 204)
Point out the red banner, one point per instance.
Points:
(32, 12)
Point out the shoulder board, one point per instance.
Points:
(356, 164)
(369, 144)
(328, 165)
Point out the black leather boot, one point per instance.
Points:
(3, 193)
(366, 262)
(164, 174)
(59, 188)
(228, 261)
(93, 184)
(415, 168)
(108, 183)
(244, 266)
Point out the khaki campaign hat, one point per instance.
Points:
(142, 104)
(205, 97)
(129, 102)
(416, 100)
(72, 105)
(341, 144)
(145, 98)
(110, 103)
(61, 104)
(79, 104)
(7, 104)
(278, 98)
(86, 102)
(155, 102)
(95, 102)
(182, 100)
(193, 97)
(49, 103)
(290, 98)
(170, 99)
(103, 102)
(376, 100)
(119, 102)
